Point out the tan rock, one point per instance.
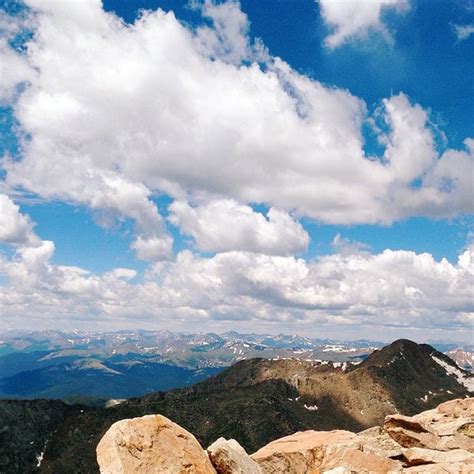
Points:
(315, 452)
(151, 444)
(417, 456)
(302, 452)
(447, 427)
(457, 441)
(449, 417)
(379, 442)
(355, 460)
(228, 457)
(443, 468)
(408, 432)
(457, 408)
(372, 432)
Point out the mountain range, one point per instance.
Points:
(254, 401)
(92, 367)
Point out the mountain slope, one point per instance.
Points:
(258, 400)
(116, 378)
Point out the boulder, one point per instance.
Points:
(228, 457)
(449, 417)
(409, 432)
(321, 451)
(447, 427)
(461, 407)
(301, 452)
(151, 444)
(356, 460)
(419, 456)
(444, 468)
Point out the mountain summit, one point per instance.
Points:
(254, 401)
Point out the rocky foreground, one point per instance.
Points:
(435, 441)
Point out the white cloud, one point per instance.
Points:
(224, 225)
(353, 19)
(15, 227)
(129, 117)
(352, 289)
(116, 116)
(227, 40)
(14, 67)
(463, 32)
(153, 248)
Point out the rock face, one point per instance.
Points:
(439, 440)
(151, 444)
(228, 457)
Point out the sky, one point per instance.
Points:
(273, 166)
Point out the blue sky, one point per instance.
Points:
(105, 172)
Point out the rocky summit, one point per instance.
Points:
(253, 402)
(438, 440)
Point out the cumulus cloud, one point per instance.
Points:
(227, 39)
(15, 227)
(14, 67)
(353, 288)
(353, 19)
(115, 116)
(153, 248)
(220, 226)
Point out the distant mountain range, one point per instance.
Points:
(253, 401)
(91, 367)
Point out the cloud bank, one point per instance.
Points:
(392, 289)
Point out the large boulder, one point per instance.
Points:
(228, 457)
(300, 452)
(151, 444)
(318, 451)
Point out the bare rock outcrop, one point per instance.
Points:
(419, 456)
(439, 440)
(151, 444)
(228, 457)
(300, 452)
(447, 427)
(318, 451)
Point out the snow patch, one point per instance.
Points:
(462, 379)
(311, 407)
(39, 459)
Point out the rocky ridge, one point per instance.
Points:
(437, 440)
